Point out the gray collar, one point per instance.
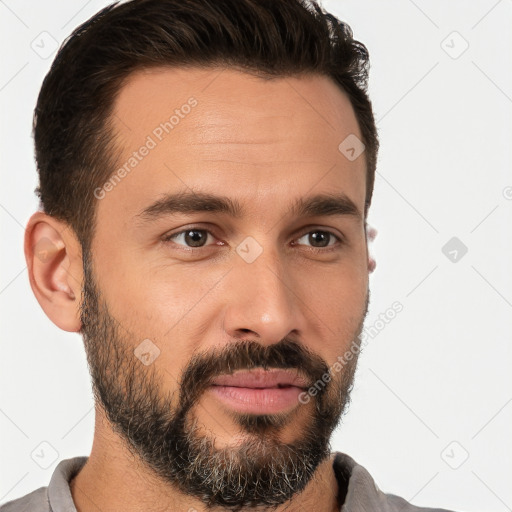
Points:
(362, 494)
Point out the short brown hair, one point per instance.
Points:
(72, 132)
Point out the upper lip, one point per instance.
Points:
(260, 378)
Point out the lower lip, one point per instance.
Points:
(258, 400)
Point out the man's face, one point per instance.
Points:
(177, 303)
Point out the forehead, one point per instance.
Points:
(227, 97)
(223, 130)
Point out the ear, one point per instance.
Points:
(371, 233)
(54, 261)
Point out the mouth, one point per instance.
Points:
(262, 379)
(259, 391)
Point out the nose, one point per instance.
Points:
(264, 304)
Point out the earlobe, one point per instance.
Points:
(371, 265)
(53, 256)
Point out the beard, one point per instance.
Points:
(162, 431)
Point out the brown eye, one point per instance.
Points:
(320, 239)
(190, 237)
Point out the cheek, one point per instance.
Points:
(337, 300)
(339, 287)
(135, 291)
(168, 304)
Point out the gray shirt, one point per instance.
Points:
(361, 492)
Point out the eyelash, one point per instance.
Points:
(330, 248)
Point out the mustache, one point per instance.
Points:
(247, 355)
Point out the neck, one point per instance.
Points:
(113, 479)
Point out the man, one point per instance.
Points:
(206, 170)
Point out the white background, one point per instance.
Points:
(433, 387)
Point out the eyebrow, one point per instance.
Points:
(318, 205)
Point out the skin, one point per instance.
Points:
(264, 143)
